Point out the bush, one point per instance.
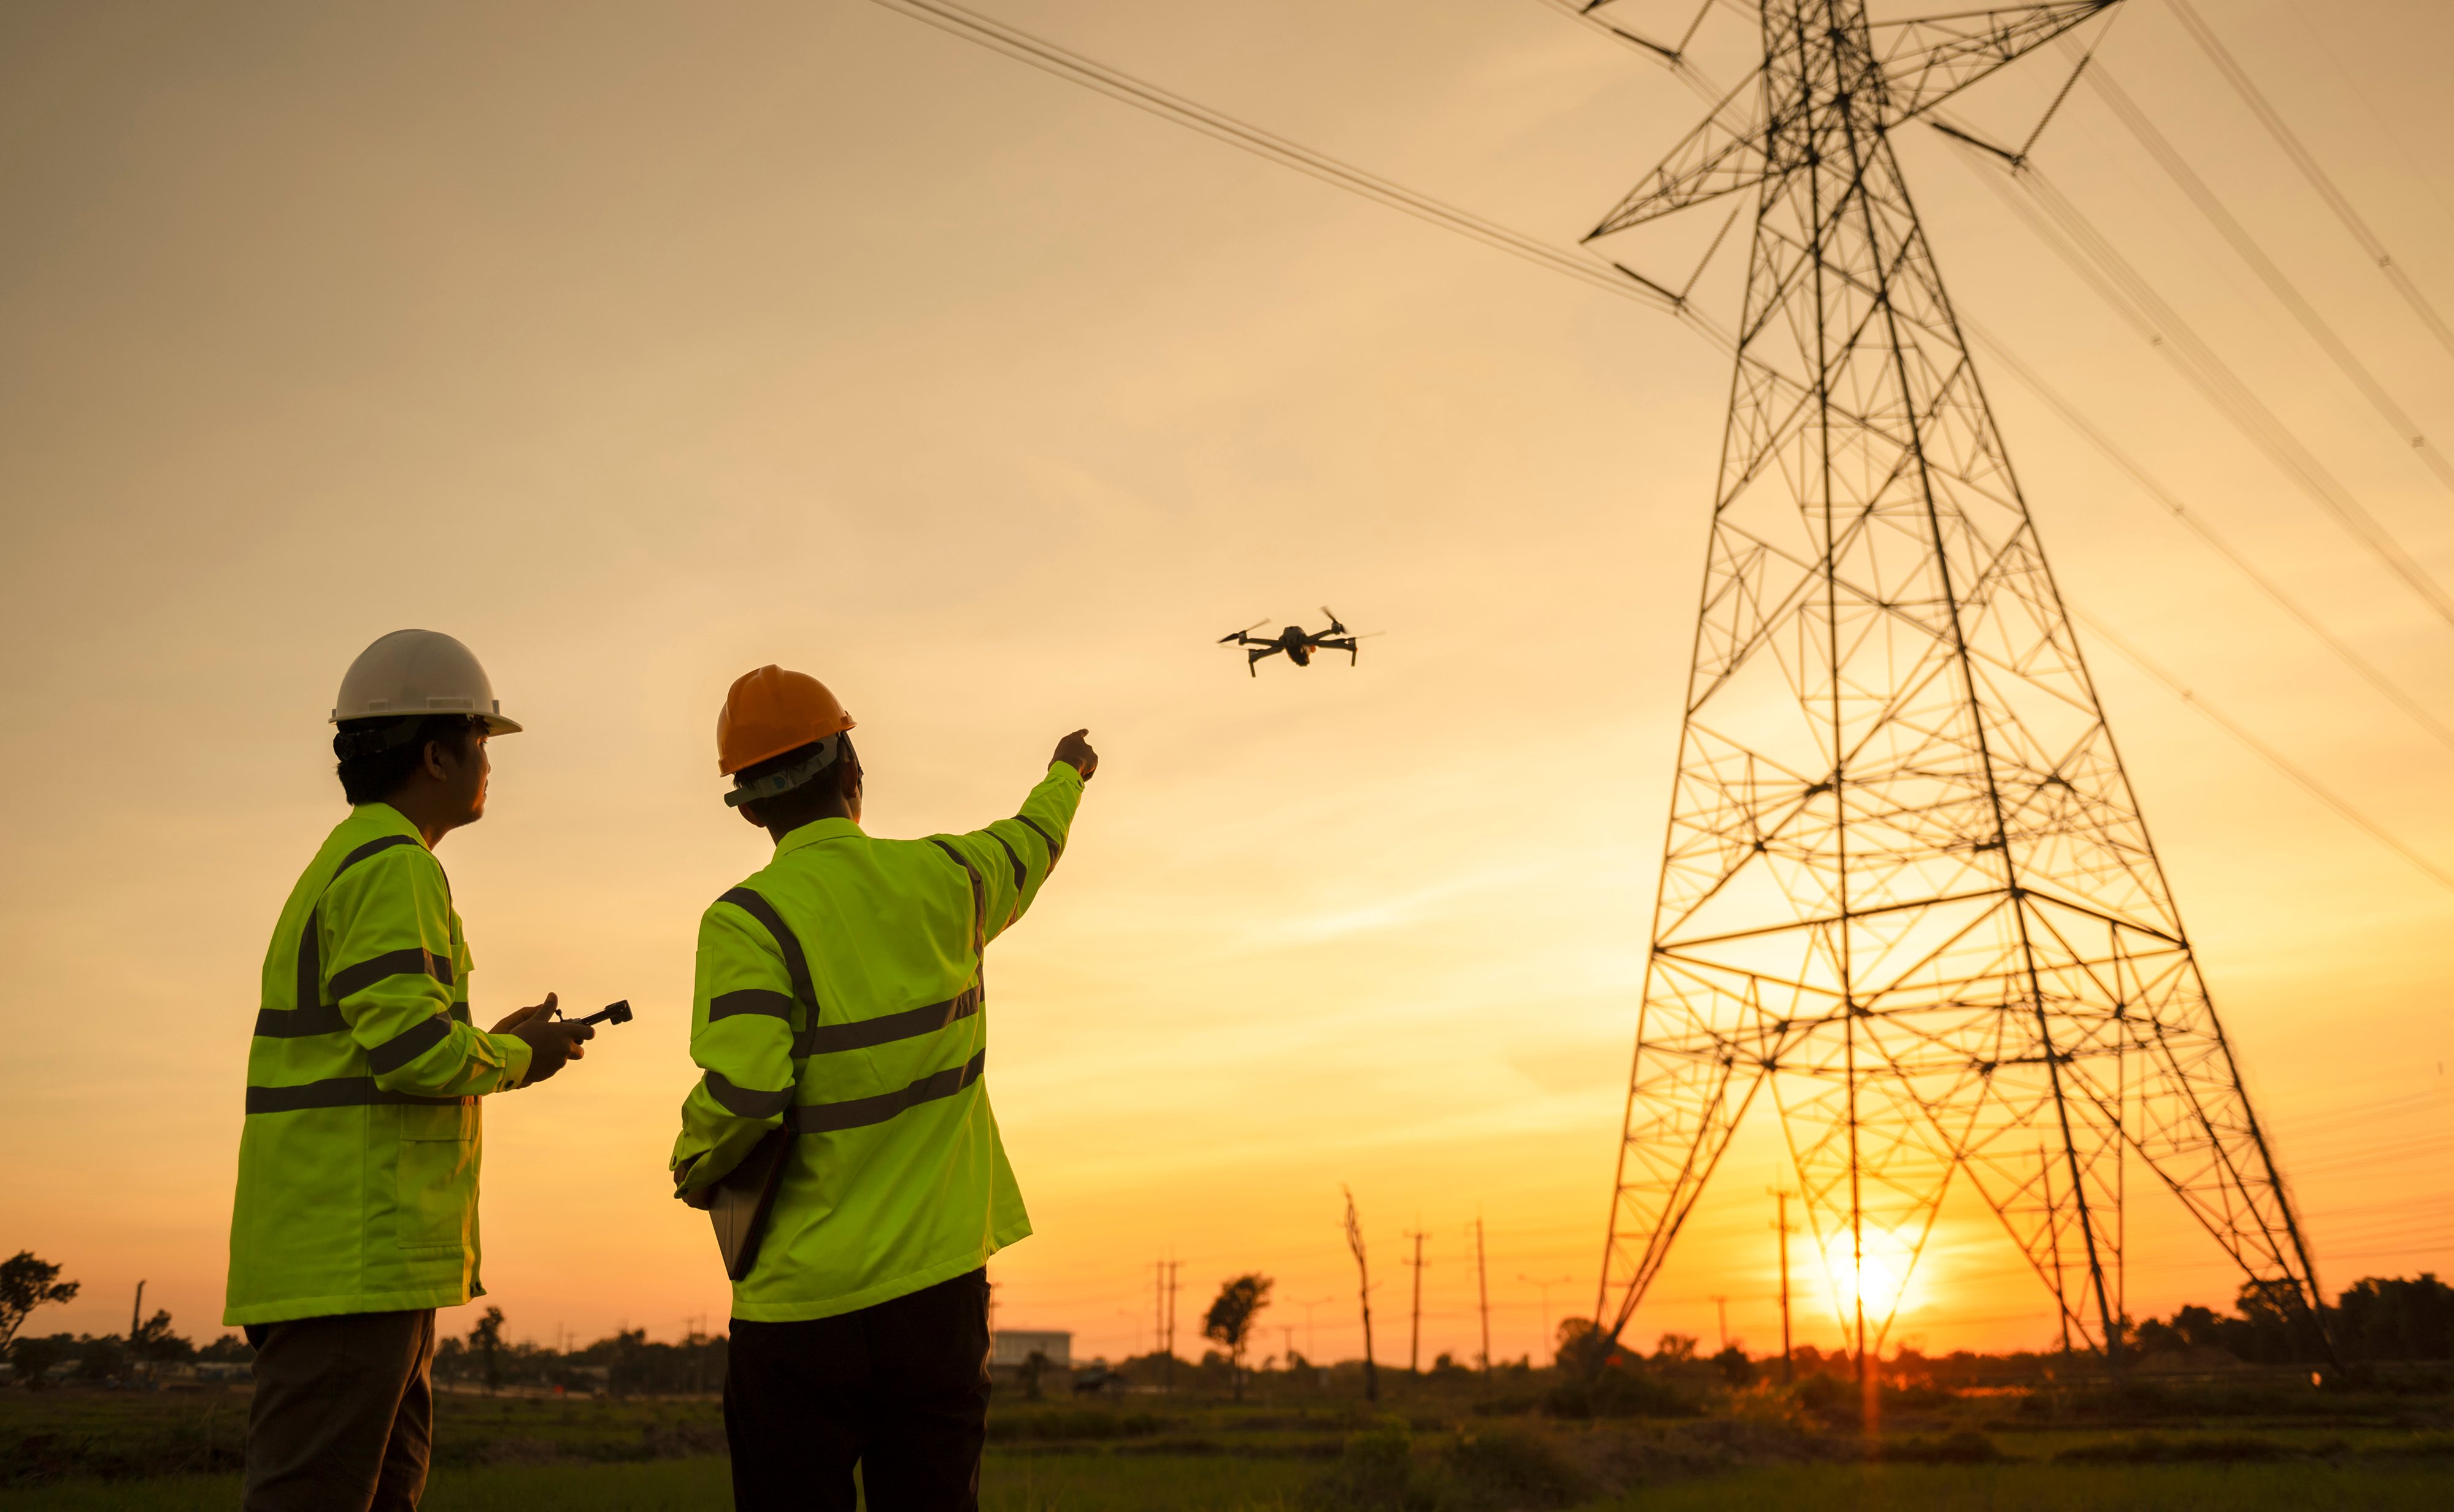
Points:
(1075, 1424)
(1516, 1466)
(1620, 1391)
(1964, 1448)
(2148, 1448)
(1376, 1473)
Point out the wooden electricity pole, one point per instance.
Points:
(1415, 1322)
(1482, 1294)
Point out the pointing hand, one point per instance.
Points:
(1076, 752)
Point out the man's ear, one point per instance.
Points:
(749, 813)
(431, 762)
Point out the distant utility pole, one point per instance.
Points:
(1312, 1340)
(136, 1313)
(1174, 1286)
(1544, 1286)
(1483, 1293)
(1363, 1283)
(1788, 1366)
(1415, 1324)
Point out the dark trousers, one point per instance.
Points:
(901, 1389)
(343, 1413)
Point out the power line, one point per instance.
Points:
(2265, 752)
(1118, 84)
(2072, 238)
(1114, 83)
(2405, 427)
(2319, 178)
(2207, 535)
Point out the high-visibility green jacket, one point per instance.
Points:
(839, 997)
(357, 1173)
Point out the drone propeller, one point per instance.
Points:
(1238, 635)
(1334, 628)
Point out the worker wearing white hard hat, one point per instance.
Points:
(356, 1211)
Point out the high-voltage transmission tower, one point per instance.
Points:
(1906, 887)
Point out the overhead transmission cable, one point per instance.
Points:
(2128, 112)
(1671, 55)
(2155, 489)
(1048, 56)
(2070, 235)
(2386, 128)
(2311, 169)
(1114, 83)
(2265, 753)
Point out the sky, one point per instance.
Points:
(640, 347)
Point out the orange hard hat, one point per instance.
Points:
(770, 712)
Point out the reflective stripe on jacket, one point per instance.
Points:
(357, 1172)
(839, 996)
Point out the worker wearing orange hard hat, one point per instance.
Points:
(840, 1131)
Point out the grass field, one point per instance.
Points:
(1120, 1484)
(177, 1452)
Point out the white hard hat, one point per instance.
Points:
(413, 673)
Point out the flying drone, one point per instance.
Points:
(1295, 642)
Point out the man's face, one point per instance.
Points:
(464, 777)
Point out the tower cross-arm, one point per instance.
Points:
(1927, 60)
(1920, 63)
(1721, 156)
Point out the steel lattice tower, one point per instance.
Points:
(1906, 884)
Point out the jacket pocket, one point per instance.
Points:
(438, 1194)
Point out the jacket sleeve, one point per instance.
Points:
(1014, 856)
(387, 926)
(742, 1021)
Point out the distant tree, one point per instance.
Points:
(486, 1342)
(232, 1349)
(2398, 1319)
(34, 1356)
(26, 1284)
(1735, 1366)
(1230, 1320)
(1363, 1289)
(101, 1357)
(1584, 1349)
(1675, 1348)
(154, 1342)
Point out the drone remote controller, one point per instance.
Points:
(613, 1012)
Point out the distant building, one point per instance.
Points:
(1014, 1345)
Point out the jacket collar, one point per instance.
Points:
(382, 819)
(815, 831)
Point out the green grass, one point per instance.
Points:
(2367, 1486)
(1040, 1482)
(1096, 1482)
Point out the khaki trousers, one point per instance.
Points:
(343, 1413)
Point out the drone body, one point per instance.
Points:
(1295, 642)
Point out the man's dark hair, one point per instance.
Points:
(797, 806)
(377, 756)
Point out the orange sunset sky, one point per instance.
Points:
(640, 344)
